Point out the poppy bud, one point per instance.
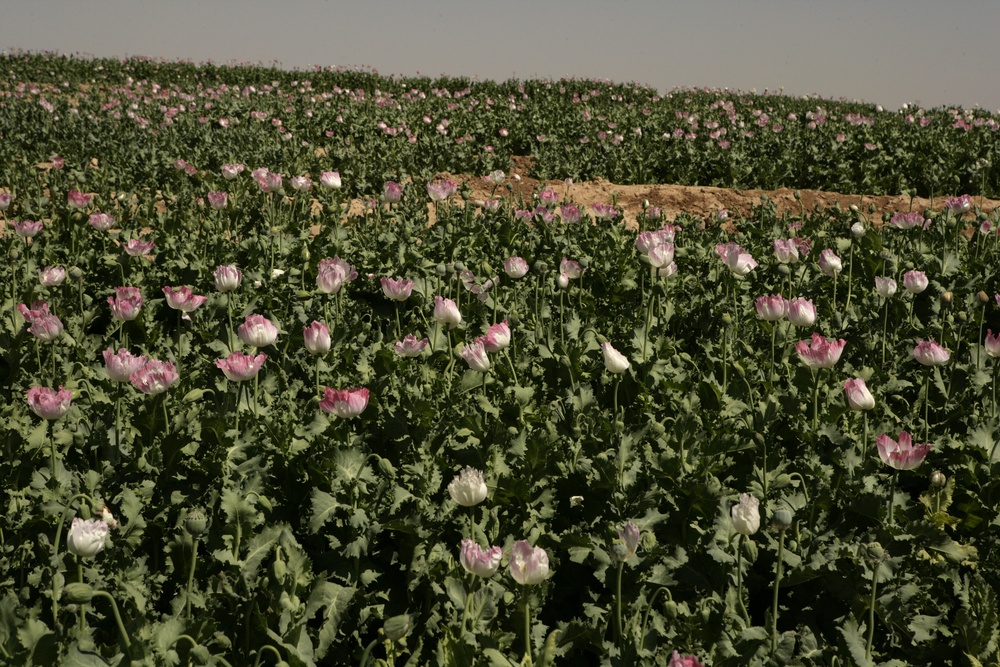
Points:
(78, 593)
(874, 552)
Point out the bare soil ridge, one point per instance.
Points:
(698, 201)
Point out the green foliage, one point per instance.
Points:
(258, 526)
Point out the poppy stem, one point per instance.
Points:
(777, 587)
(835, 292)
(774, 334)
(649, 317)
(527, 629)
(850, 281)
(725, 358)
(52, 449)
(815, 399)
(885, 324)
(118, 618)
(619, 632)
(739, 579)
(871, 614)
(995, 388)
(892, 497)
(864, 442)
(927, 403)
(239, 390)
(190, 586)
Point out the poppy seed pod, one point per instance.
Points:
(196, 523)
(781, 520)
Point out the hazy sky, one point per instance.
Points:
(886, 51)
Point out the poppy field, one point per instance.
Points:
(277, 389)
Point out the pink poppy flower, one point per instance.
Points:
(155, 377)
(239, 367)
(397, 290)
(122, 364)
(475, 355)
(901, 454)
(410, 346)
(46, 326)
(739, 261)
(344, 403)
(392, 192)
(801, 312)
(929, 353)
(915, 282)
(482, 563)
(38, 308)
(218, 200)
(332, 274)
(858, 396)
(515, 267)
(820, 353)
(678, 660)
(885, 286)
(958, 205)
(227, 278)
(49, 403)
(571, 268)
(52, 276)
(771, 308)
(126, 303)
(102, 222)
(446, 312)
(992, 344)
(77, 199)
(497, 337)
(570, 214)
(257, 331)
(137, 247)
(26, 229)
(231, 171)
(528, 565)
(317, 338)
(604, 211)
(301, 183)
(330, 180)
(441, 190)
(829, 264)
(182, 299)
